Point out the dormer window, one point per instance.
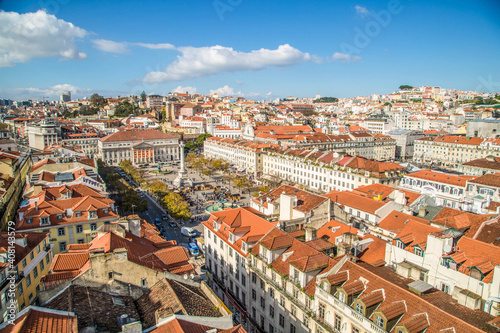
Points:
(44, 221)
(231, 238)
(59, 216)
(418, 251)
(93, 214)
(78, 214)
(244, 247)
(29, 221)
(105, 210)
(379, 321)
(360, 308)
(215, 225)
(341, 296)
(400, 244)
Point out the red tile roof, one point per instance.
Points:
(441, 177)
(36, 319)
(137, 135)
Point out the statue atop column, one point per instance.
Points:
(182, 179)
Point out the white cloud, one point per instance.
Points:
(37, 35)
(52, 92)
(122, 47)
(343, 57)
(110, 46)
(226, 91)
(182, 90)
(361, 10)
(203, 61)
(165, 46)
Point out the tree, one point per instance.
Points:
(201, 138)
(405, 87)
(241, 182)
(143, 96)
(326, 100)
(177, 207)
(97, 100)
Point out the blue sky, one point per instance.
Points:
(257, 49)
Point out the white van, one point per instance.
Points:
(187, 231)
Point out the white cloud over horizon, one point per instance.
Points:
(226, 91)
(361, 10)
(52, 92)
(37, 35)
(343, 57)
(204, 61)
(182, 90)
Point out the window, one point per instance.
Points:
(271, 311)
(356, 330)
(35, 272)
(419, 252)
(322, 310)
(293, 310)
(243, 280)
(254, 277)
(282, 321)
(253, 312)
(243, 297)
(144, 282)
(47, 258)
(338, 322)
(445, 288)
(110, 275)
(262, 321)
(28, 280)
(306, 320)
(262, 303)
(400, 244)
(80, 241)
(44, 220)
(254, 295)
(78, 214)
(342, 297)
(62, 247)
(271, 292)
(42, 266)
(271, 328)
(79, 229)
(262, 285)
(221, 243)
(379, 321)
(93, 226)
(60, 232)
(360, 308)
(231, 252)
(20, 289)
(292, 328)
(59, 216)
(282, 300)
(25, 263)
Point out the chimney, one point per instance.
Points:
(422, 211)
(36, 207)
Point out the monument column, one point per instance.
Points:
(182, 178)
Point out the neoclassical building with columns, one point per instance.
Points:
(139, 146)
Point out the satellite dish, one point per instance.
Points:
(447, 248)
(185, 276)
(191, 276)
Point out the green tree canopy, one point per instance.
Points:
(97, 100)
(143, 96)
(405, 87)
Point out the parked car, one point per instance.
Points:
(164, 217)
(157, 221)
(172, 224)
(193, 248)
(187, 231)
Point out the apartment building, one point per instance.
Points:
(43, 134)
(452, 150)
(446, 189)
(71, 214)
(357, 297)
(32, 259)
(139, 146)
(465, 268)
(245, 155)
(14, 166)
(229, 235)
(481, 166)
(327, 171)
(120, 253)
(294, 208)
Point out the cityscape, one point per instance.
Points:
(229, 167)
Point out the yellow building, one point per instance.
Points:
(20, 274)
(71, 214)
